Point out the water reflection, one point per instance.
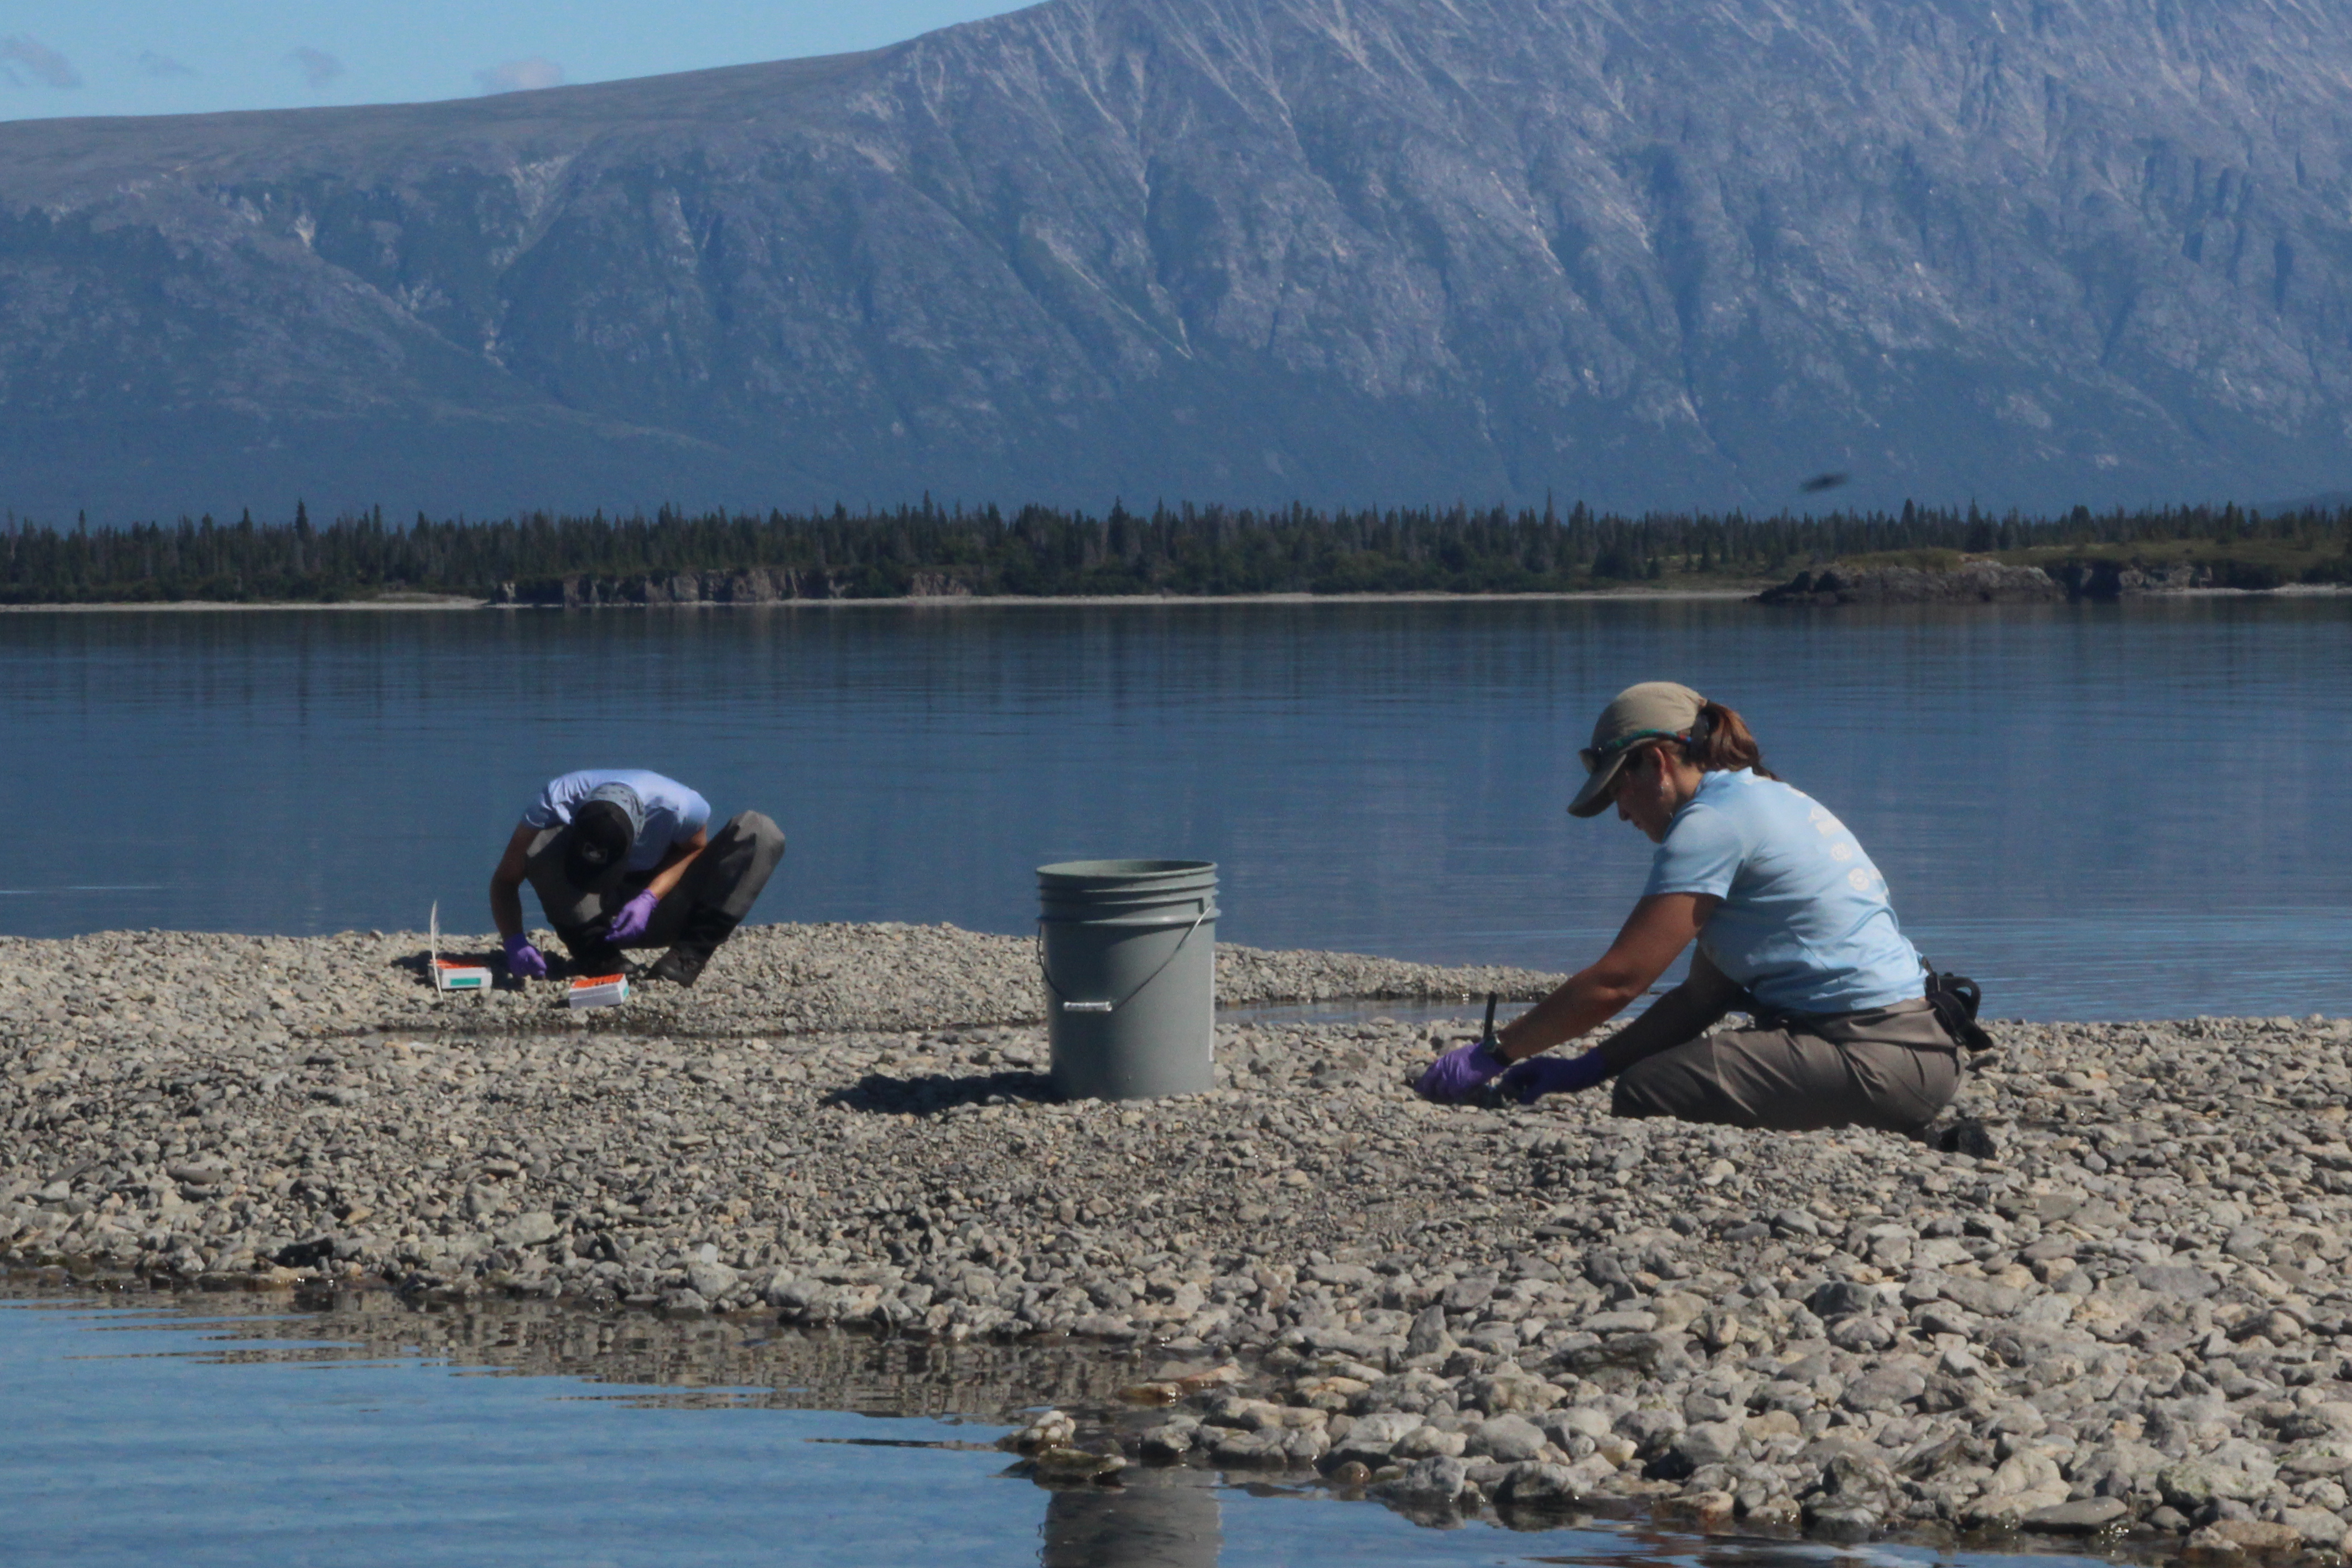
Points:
(652, 1362)
(181, 1433)
(1156, 1519)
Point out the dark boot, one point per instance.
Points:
(697, 938)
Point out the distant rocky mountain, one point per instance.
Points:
(1647, 253)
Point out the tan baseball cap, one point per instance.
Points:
(1654, 711)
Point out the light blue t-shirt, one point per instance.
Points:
(672, 811)
(1804, 923)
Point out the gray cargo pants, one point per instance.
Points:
(726, 877)
(1891, 1067)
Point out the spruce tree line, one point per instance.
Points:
(1187, 549)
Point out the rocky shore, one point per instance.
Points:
(1982, 581)
(1966, 583)
(2107, 1300)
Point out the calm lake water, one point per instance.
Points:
(161, 1435)
(2098, 811)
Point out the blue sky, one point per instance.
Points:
(144, 57)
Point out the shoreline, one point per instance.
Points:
(1098, 601)
(2115, 1307)
(933, 601)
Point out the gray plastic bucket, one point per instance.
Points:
(1128, 953)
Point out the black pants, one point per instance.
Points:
(726, 878)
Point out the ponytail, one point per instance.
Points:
(1721, 742)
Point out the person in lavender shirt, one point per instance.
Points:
(621, 858)
(1792, 925)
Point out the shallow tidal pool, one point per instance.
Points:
(213, 1433)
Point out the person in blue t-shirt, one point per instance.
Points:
(1792, 925)
(621, 858)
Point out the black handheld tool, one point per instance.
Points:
(1490, 1094)
(1485, 1037)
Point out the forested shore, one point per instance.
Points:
(927, 551)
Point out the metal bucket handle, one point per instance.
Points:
(1070, 1006)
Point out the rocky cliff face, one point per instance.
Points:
(1971, 582)
(1651, 253)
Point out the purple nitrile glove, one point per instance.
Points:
(524, 959)
(1455, 1076)
(630, 922)
(1553, 1075)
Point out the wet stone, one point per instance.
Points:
(2083, 1516)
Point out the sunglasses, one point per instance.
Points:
(1594, 760)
